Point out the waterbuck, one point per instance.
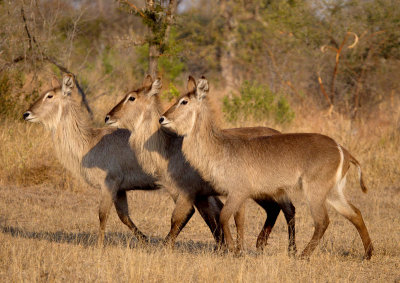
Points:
(266, 166)
(102, 156)
(160, 155)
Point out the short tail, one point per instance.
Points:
(356, 163)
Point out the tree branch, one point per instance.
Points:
(321, 85)
(26, 28)
(65, 70)
(172, 6)
(280, 76)
(44, 57)
(338, 52)
(133, 7)
(364, 68)
(14, 61)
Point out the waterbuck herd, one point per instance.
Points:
(185, 152)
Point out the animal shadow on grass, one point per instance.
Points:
(116, 239)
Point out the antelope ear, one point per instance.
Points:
(202, 88)
(191, 85)
(67, 84)
(147, 82)
(54, 82)
(155, 87)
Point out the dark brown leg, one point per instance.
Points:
(272, 209)
(121, 205)
(289, 211)
(210, 209)
(239, 221)
(182, 213)
(321, 222)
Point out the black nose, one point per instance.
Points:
(161, 120)
(26, 115)
(107, 118)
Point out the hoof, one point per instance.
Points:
(368, 253)
(367, 256)
(168, 244)
(143, 238)
(304, 257)
(239, 253)
(292, 252)
(221, 250)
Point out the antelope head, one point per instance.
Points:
(181, 117)
(49, 107)
(130, 110)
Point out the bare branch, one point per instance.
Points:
(129, 40)
(61, 68)
(280, 76)
(80, 90)
(325, 48)
(133, 7)
(321, 85)
(72, 36)
(170, 17)
(43, 57)
(14, 61)
(355, 40)
(364, 67)
(338, 52)
(26, 28)
(150, 4)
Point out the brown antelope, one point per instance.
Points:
(267, 166)
(159, 153)
(102, 156)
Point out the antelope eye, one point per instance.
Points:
(131, 98)
(184, 102)
(49, 96)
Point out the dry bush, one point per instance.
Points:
(28, 157)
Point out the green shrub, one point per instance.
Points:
(170, 62)
(107, 61)
(283, 112)
(171, 93)
(257, 102)
(142, 62)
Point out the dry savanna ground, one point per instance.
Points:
(49, 222)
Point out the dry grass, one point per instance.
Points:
(48, 220)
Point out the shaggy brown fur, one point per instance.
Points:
(266, 166)
(102, 156)
(160, 155)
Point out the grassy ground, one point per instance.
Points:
(49, 222)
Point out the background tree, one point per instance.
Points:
(158, 17)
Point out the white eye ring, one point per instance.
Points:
(183, 102)
(48, 95)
